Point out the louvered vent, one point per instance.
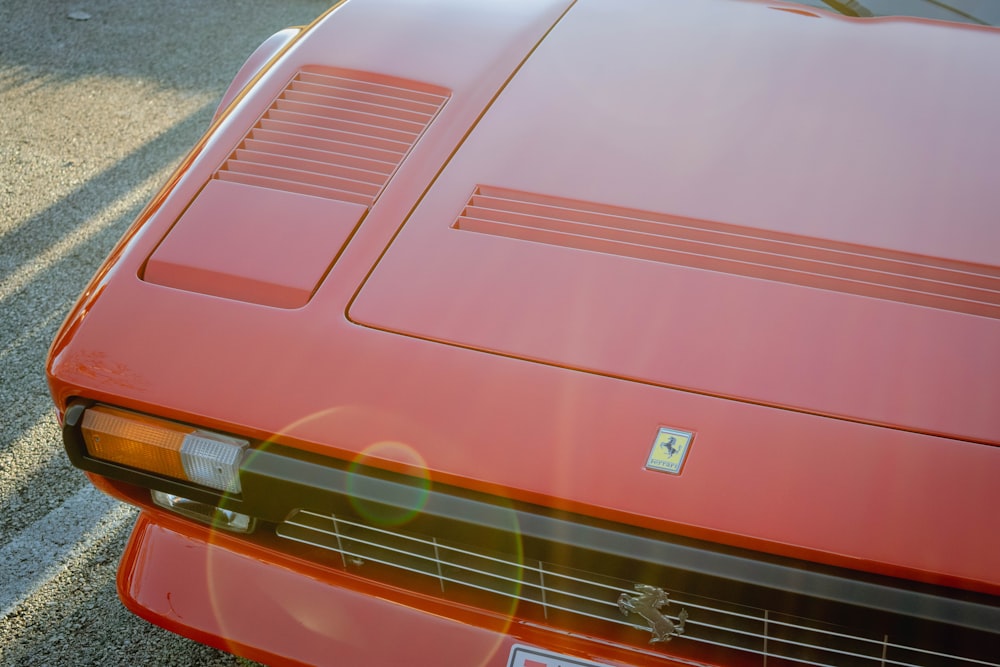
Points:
(336, 134)
(799, 260)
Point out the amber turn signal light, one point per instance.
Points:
(163, 447)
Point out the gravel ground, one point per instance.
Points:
(99, 100)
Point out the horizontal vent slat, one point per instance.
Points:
(426, 109)
(340, 145)
(716, 263)
(371, 87)
(305, 177)
(311, 166)
(291, 150)
(300, 129)
(730, 235)
(334, 134)
(367, 130)
(415, 119)
(727, 248)
(405, 130)
(709, 246)
(292, 186)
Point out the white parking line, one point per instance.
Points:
(42, 550)
(29, 454)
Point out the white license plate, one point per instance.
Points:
(526, 656)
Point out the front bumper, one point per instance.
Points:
(265, 606)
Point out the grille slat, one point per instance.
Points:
(589, 601)
(441, 563)
(366, 556)
(355, 127)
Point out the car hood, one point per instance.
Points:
(773, 230)
(752, 204)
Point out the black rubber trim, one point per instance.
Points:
(279, 479)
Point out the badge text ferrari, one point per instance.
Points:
(670, 448)
(647, 602)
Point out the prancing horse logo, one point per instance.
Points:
(647, 602)
(671, 446)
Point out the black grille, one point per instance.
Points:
(556, 594)
(566, 572)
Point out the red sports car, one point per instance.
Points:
(562, 333)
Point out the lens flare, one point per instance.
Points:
(389, 507)
(409, 499)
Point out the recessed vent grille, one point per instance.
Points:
(585, 603)
(334, 133)
(788, 258)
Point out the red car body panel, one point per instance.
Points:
(838, 417)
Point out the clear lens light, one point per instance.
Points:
(214, 516)
(212, 460)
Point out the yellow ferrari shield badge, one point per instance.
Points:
(669, 450)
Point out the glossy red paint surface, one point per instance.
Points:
(737, 130)
(852, 426)
(239, 243)
(255, 64)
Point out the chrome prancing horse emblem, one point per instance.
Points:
(647, 602)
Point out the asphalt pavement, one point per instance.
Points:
(99, 101)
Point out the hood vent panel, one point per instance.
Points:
(799, 260)
(336, 134)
